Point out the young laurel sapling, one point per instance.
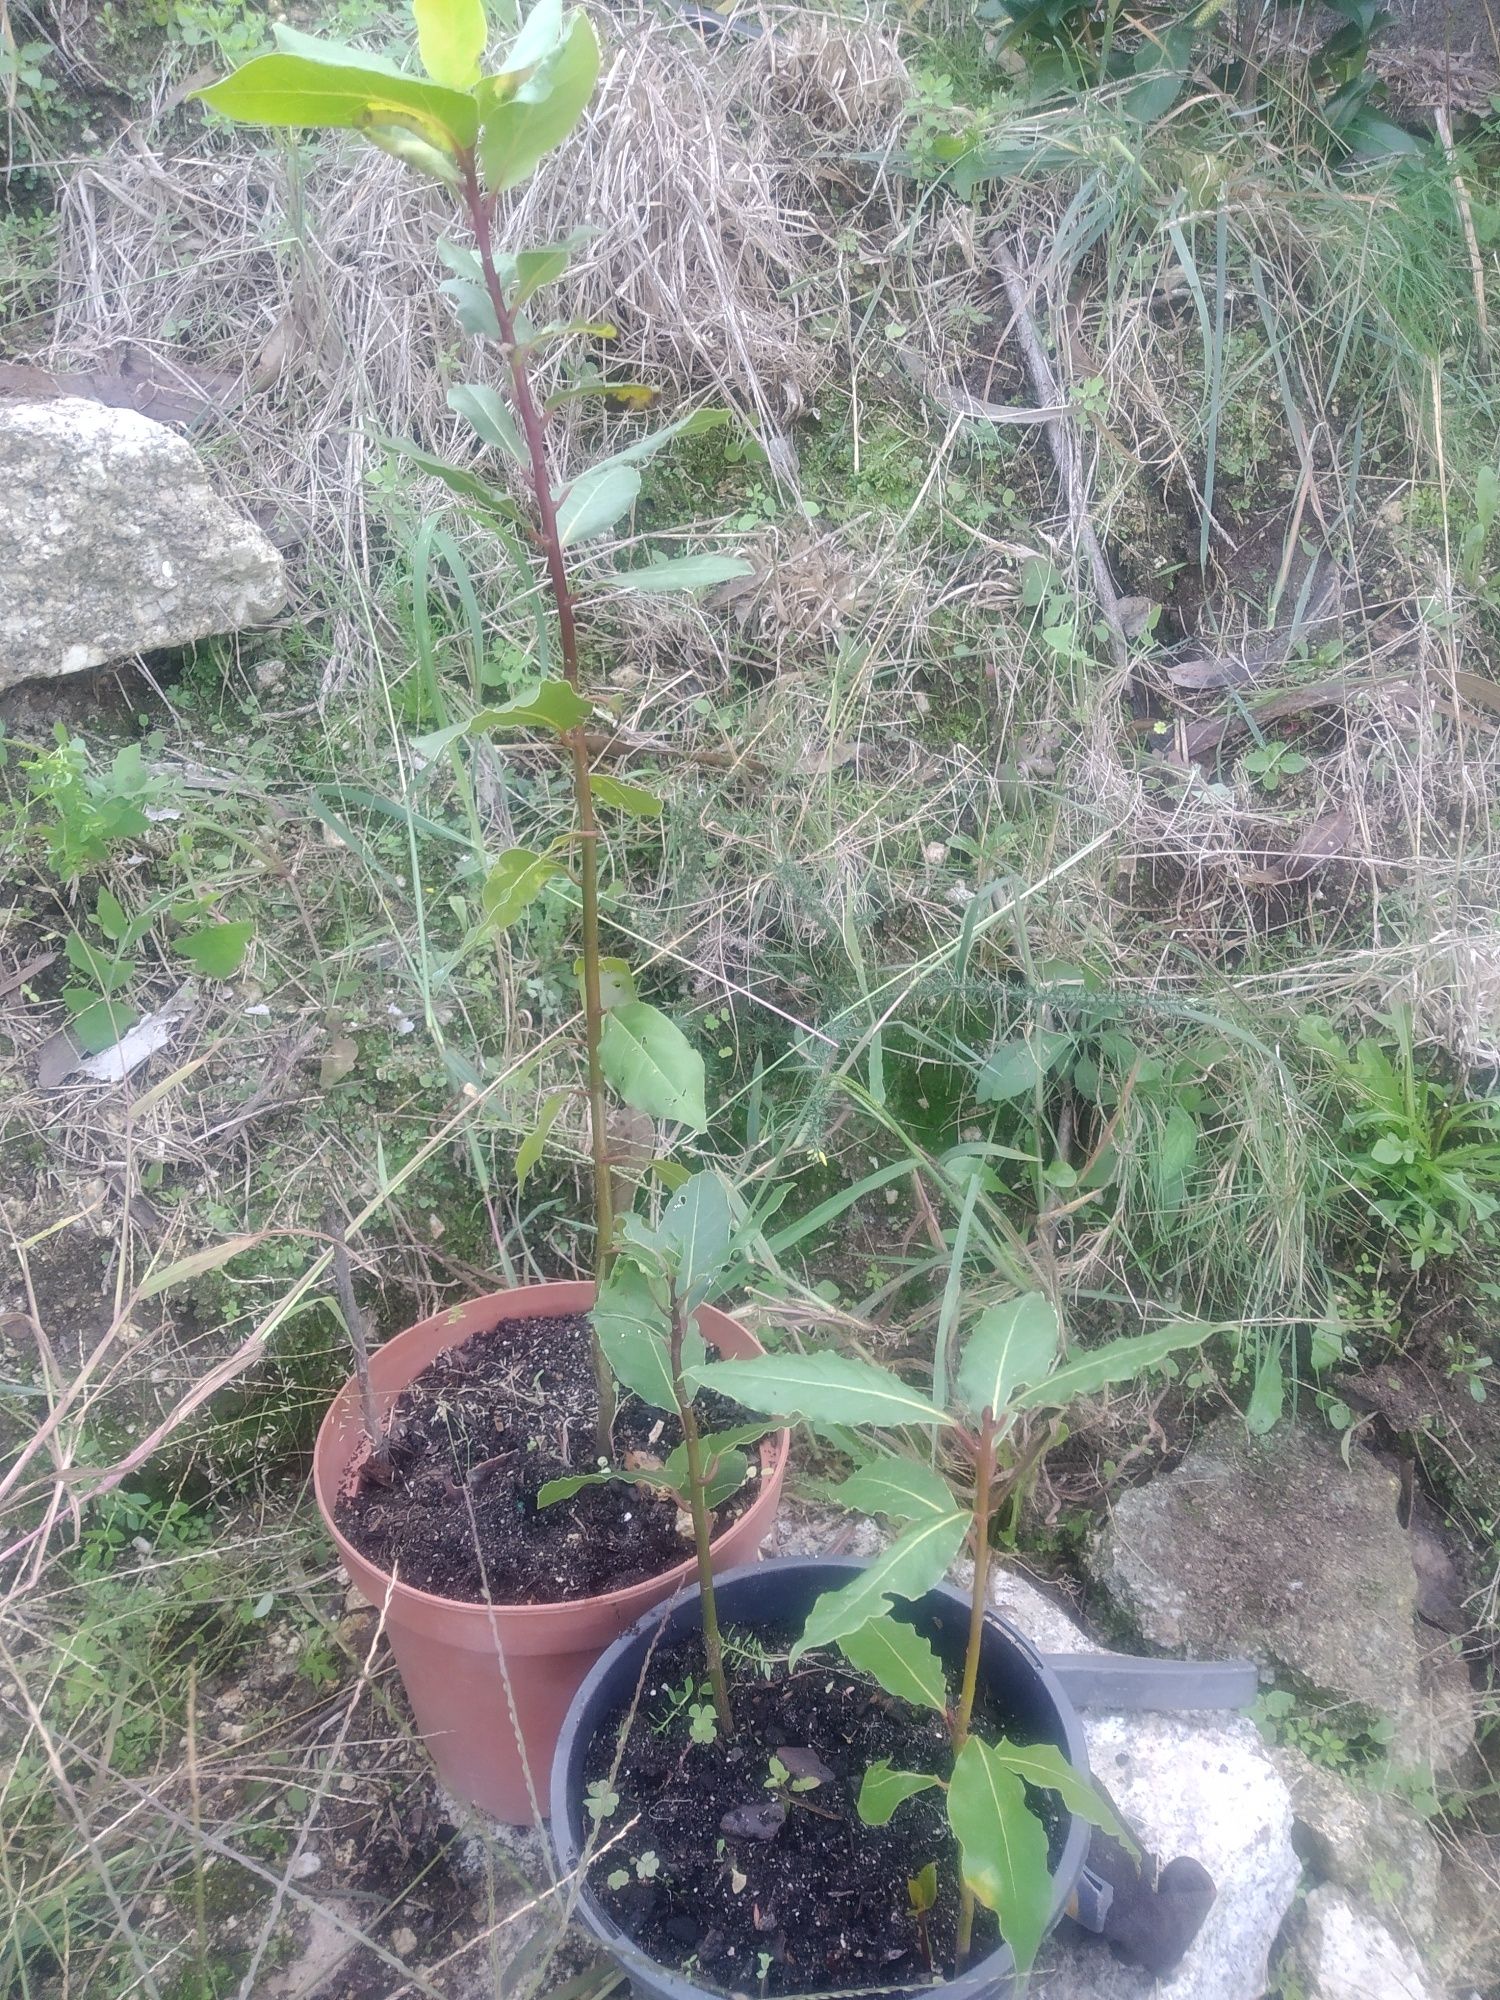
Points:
(1010, 1378)
(644, 1322)
(480, 134)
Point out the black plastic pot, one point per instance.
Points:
(781, 1593)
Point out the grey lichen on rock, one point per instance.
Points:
(1341, 1951)
(1369, 1842)
(116, 542)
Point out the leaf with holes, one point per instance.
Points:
(652, 1064)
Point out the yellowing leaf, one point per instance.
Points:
(294, 91)
(519, 129)
(451, 35)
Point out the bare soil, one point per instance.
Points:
(823, 1905)
(475, 1438)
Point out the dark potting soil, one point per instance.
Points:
(823, 1905)
(484, 1427)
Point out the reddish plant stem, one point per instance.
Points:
(713, 1646)
(529, 416)
(984, 1480)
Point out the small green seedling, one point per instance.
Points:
(921, 1896)
(703, 1724)
(1269, 763)
(601, 1800)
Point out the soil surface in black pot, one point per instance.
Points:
(474, 1439)
(824, 1903)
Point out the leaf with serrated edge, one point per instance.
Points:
(822, 1389)
(1011, 1345)
(909, 1568)
(882, 1790)
(901, 1660)
(652, 1064)
(903, 1489)
(694, 1233)
(1004, 1848)
(1087, 1371)
(1045, 1766)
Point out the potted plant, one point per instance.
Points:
(494, 1610)
(829, 1776)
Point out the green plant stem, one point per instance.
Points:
(984, 1480)
(713, 1645)
(529, 416)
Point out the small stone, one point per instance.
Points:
(1340, 1951)
(307, 1863)
(403, 1942)
(270, 674)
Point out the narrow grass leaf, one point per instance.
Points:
(534, 1144)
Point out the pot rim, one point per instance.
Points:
(977, 1981)
(393, 1591)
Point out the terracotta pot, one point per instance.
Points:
(449, 1652)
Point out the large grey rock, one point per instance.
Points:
(1371, 1843)
(1274, 1546)
(1200, 1784)
(115, 542)
(1467, 1948)
(1340, 1951)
